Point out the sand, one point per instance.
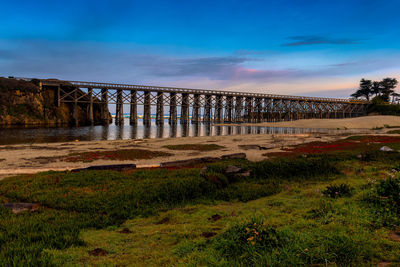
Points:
(32, 158)
(367, 122)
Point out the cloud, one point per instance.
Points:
(318, 40)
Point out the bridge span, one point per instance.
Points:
(198, 105)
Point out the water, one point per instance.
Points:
(113, 132)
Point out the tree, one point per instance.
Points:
(365, 90)
(376, 88)
(388, 85)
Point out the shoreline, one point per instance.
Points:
(365, 122)
(31, 158)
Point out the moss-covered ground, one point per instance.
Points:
(279, 212)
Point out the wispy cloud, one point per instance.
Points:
(318, 40)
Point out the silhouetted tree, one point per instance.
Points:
(388, 85)
(365, 90)
(383, 89)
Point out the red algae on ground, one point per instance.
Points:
(349, 144)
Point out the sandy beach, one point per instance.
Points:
(367, 122)
(32, 158)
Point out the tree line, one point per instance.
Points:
(380, 91)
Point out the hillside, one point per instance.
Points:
(23, 103)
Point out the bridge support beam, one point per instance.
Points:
(238, 109)
(75, 111)
(90, 107)
(160, 109)
(207, 109)
(104, 106)
(185, 109)
(218, 109)
(133, 109)
(249, 109)
(258, 109)
(228, 109)
(196, 109)
(119, 115)
(172, 109)
(147, 109)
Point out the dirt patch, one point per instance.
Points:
(395, 237)
(43, 160)
(125, 231)
(163, 221)
(21, 207)
(215, 217)
(250, 147)
(197, 147)
(208, 234)
(124, 154)
(98, 252)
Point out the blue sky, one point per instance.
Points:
(303, 47)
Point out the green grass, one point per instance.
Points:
(198, 147)
(170, 214)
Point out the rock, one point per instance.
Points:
(98, 252)
(386, 149)
(232, 169)
(20, 207)
(234, 156)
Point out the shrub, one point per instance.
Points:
(336, 191)
(245, 241)
(385, 200)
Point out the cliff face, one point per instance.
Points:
(23, 103)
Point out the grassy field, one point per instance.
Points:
(309, 206)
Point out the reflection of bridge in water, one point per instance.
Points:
(204, 105)
(198, 129)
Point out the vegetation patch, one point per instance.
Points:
(70, 202)
(198, 147)
(350, 145)
(393, 132)
(125, 154)
(335, 191)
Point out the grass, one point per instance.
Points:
(276, 216)
(198, 147)
(124, 154)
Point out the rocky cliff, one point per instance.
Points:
(23, 103)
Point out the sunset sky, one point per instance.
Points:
(301, 47)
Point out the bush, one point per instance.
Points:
(336, 191)
(385, 200)
(243, 242)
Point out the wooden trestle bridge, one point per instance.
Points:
(198, 105)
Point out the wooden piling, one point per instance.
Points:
(160, 109)
(133, 109)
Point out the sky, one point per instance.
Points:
(300, 47)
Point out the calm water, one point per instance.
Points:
(113, 132)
